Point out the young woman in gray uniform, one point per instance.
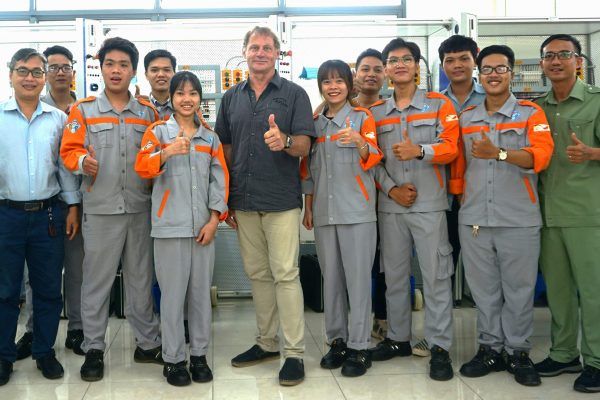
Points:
(189, 197)
(340, 204)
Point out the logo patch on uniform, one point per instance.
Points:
(541, 128)
(426, 107)
(141, 113)
(148, 145)
(515, 115)
(370, 135)
(73, 126)
(451, 117)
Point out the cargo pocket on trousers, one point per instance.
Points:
(445, 267)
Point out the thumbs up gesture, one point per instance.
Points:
(406, 150)
(90, 164)
(348, 135)
(180, 146)
(484, 148)
(273, 137)
(578, 152)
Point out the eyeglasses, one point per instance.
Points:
(562, 55)
(499, 69)
(406, 60)
(54, 68)
(36, 72)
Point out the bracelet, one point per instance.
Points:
(364, 146)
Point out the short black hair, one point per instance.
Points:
(120, 44)
(497, 49)
(52, 50)
(336, 66)
(24, 55)
(457, 43)
(368, 53)
(159, 53)
(399, 43)
(561, 36)
(180, 78)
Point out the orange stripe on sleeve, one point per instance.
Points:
(447, 150)
(540, 139)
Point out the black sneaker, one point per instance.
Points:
(521, 366)
(440, 365)
(148, 356)
(6, 368)
(176, 374)
(292, 372)
(92, 369)
(24, 346)
(74, 340)
(549, 367)
(335, 356)
(254, 355)
(588, 381)
(50, 367)
(388, 349)
(200, 370)
(485, 361)
(357, 363)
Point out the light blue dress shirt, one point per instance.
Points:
(30, 164)
(474, 98)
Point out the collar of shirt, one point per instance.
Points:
(340, 117)
(202, 133)
(476, 88)
(417, 101)
(158, 104)
(276, 80)
(104, 104)
(578, 92)
(12, 105)
(480, 112)
(48, 99)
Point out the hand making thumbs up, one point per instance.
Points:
(180, 146)
(90, 164)
(484, 148)
(348, 135)
(273, 137)
(406, 150)
(578, 152)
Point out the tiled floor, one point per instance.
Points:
(233, 329)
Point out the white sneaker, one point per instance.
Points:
(421, 349)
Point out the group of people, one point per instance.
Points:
(149, 181)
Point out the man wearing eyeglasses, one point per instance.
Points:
(59, 76)
(32, 224)
(570, 198)
(418, 133)
(506, 142)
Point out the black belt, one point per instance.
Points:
(30, 206)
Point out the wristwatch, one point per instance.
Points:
(502, 154)
(288, 142)
(422, 155)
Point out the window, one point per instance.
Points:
(53, 5)
(206, 4)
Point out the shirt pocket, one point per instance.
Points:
(512, 139)
(345, 153)
(279, 108)
(138, 134)
(584, 129)
(101, 135)
(423, 131)
(385, 136)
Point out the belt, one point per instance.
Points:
(30, 206)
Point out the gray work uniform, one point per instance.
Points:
(185, 190)
(500, 220)
(116, 220)
(430, 121)
(344, 217)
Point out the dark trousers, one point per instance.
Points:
(24, 237)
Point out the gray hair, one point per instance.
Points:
(262, 31)
(24, 55)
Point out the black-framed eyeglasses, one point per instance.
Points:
(23, 72)
(562, 55)
(406, 60)
(499, 69)
(54, 68)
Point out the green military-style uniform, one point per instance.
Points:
(570, 203)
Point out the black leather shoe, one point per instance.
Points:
(24, 346)
(252, 356)
(74, 340)
(292, 372)
(549, 367)
(92, 369)
(335, 356)
(148, 356)
(50, 367)
(588, 381)
(440, 365)
(388, 349)
(176, 374)
(200, 370)
(357, 363)
(485, 361)
(6, 369)
(521, 366)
